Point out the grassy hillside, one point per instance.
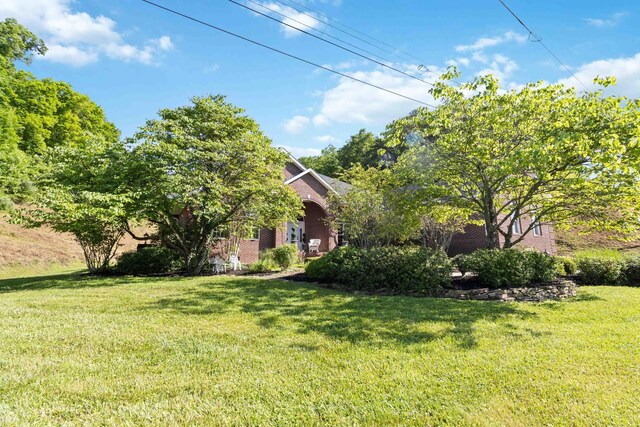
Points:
(571, 241)
(41, 248)
(77, 350)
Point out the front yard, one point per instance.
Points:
(246, 351)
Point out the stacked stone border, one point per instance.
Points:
(557, 290)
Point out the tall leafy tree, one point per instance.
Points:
(17, 43)
(327, 163)
(36, 115)
(203, 166)
(543, 151)
(364, 149)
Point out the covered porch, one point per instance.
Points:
(310, 228)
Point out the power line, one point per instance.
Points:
(395, 49)
(535, 38)
(317, 30)
(206, 24)
(332, 43)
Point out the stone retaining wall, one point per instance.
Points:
(561, 289)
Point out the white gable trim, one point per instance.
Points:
(305, 171)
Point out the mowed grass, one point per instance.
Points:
(77, 350)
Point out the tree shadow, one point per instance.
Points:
(362, 319)
(75, 280)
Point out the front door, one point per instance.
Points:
(296, 233)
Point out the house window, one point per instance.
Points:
(537, 227)
(254, 234)
(516, 227)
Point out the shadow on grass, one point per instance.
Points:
(75, 280)
(373, 320)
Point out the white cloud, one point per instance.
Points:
(626, 70)
(325, 139)
(459, 61)
(611, 21)
(486, 42)
(70, 55)
(77, 38)
(355, 103)
(296, 124)
(501, 67)
(294, 19)
(164, 43)
(212, 68)
(301, 151)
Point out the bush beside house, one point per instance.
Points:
(608, 271)
(509, 267)
(407, 270)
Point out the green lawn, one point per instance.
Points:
(76, 350)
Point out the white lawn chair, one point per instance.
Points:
(314, 245)
(234, 262)
(217, 265)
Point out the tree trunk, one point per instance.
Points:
(491, 224)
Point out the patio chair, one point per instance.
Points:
(217, 265)
(234, 262)
(314, 245)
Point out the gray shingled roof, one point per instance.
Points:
(341, 187)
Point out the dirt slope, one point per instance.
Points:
(22, 246)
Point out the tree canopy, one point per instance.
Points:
(543, 151)
(38, 114)
(203, 166)
(363, 148)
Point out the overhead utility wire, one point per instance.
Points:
(536, 38)
(392, 52)
(206, 24)
(317, 30)
(332, 43)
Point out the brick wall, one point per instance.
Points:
(474, 238)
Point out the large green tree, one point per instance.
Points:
(543, 151)
(200, 167)
(363, 148)
(36, 115)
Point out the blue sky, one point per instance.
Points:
(134, 59)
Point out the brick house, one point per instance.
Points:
(542, 238)
(313, 188)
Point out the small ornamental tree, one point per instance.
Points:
(367, 212)
(198, 168)
(543, 151)
(79, 194)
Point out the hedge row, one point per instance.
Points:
(604, 271)
(496, 268)
(408, 270)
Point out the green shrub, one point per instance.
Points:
(263, 266)
(265, 263)
(498, 268)
(566, 266)
(149, 260)
(601, 271)
(286, 255)
(631, 271)
(399, 269)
